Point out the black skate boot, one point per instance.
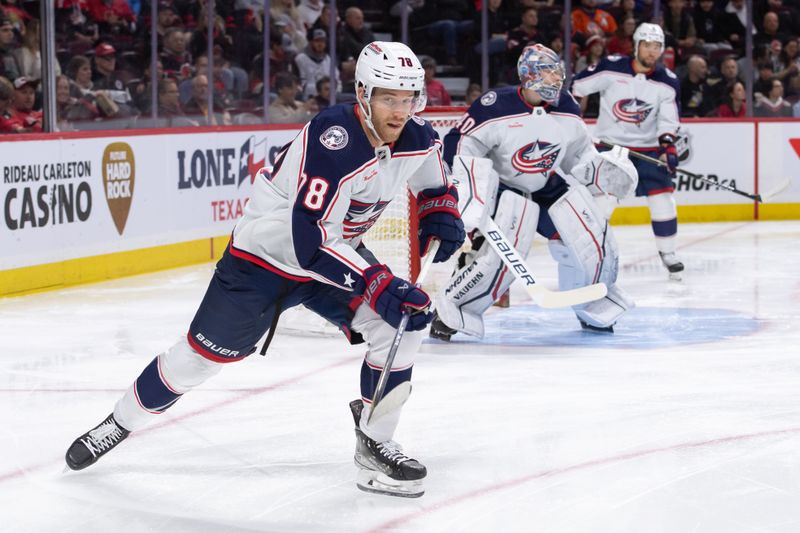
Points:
(383, 468)
(596, 329)
(95, 443)
(671, 261)
(440, 330)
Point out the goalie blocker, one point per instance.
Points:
(583, 245)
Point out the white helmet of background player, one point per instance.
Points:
(647, 32)
(540, 69)
(389, 65)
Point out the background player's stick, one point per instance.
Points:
(541, 295)
(397, 396)
(761, 198)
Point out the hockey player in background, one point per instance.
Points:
(532, 135)
(299, 242)
(639, 102)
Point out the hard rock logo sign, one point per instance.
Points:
(119, 178)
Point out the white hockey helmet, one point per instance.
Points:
(649, 32)
(534, 61)
(391, 65)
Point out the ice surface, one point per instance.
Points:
(686, 420)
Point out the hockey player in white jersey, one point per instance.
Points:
(299, 242)
(533, 137)
(639, 102)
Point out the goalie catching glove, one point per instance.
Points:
(609, 173)
(389, 295)
(439, 219)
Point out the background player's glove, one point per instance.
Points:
(439, 219)
(667, 152)
(388, 295)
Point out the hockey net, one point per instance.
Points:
(392, 240)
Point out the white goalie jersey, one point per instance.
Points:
(525, 143)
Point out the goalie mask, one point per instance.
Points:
(540, 69)
(389, 65)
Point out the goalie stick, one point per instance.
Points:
(761, 198)
(541, 295)
(397, 396)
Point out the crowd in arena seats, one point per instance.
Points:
(103, 56)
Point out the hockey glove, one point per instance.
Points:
(439, 219)
(389, 295)
(667, 152)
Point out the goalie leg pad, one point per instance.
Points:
(606, 311)
(664, 219)
(587, 252)
(480, 282)
(162, 383)
(379, 336)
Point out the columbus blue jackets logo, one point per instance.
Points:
(360, 217)
(334, 138)
(632, 110)
(536, 158)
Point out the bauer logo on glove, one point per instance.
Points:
(439, 219)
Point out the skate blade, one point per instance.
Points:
(379, 483)
(675, 276)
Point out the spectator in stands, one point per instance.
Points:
(109, 81)
(763, 84)
(728, 74)
(167, 18)
(627, 9)
(679, 24)
(286, 109)
(789, 61)
(498, 26)
(314, 63)
(587, 19)
(176, 59)
(79, 70)
(198, 42)
(8, 64)
(595, 51)
(323, 96)
(435, 91)
(773, 105)
(115, 21)
(278, 62)
(169, 105)
(197, 106)
(355, 35)
(789, 16)
(696, 99)
(71, 107)
(709, 23)
(309, 11)
(140, 89)
(734, 103)
(622, 41)
(473, 93)
(735, 23)
(771, 32)
(78, 30)
(21, 117)
(28, 57)
(525, 34)
(445, 22)
(6, 97)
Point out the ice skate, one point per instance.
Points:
(596, 329)
(95, 443)
(440, 330)
(671, 261)
(382, 466)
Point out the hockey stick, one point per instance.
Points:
(541, 295)
(757, 197)
(396, 397)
